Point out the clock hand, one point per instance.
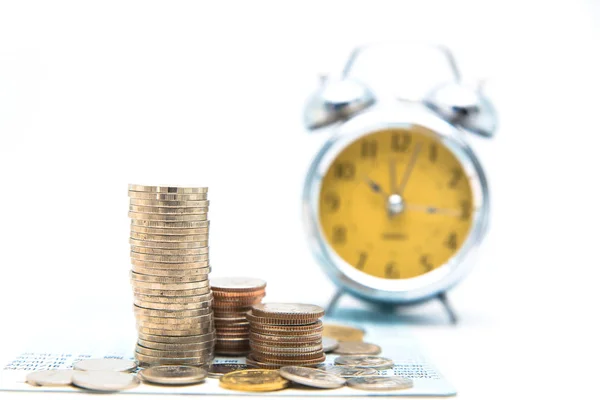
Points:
(376, 187)
(433, 210)
(409, 168)
(392, 175)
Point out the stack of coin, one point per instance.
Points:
(170, 266)
(233, 298)
(285, 334)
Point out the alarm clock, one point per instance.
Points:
(396, 202)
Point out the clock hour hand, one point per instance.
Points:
(375, 187)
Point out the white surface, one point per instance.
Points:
(95, 95)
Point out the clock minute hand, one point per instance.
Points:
(409, 168)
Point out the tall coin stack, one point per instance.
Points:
(233, 298)
(285, 334)
(169, 275)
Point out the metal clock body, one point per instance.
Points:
(431, 254)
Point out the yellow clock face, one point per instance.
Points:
(396, 203)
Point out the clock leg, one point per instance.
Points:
(446, 304)
(333, 302)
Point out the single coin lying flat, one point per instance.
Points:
(380, 382)
(104, 381)
(57, 377)
(312, 377)
(365, 362)
(349, 372)
(105, 364)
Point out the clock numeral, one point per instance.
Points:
(465, 211)
(433, 152)
(339, 234)
(344, 171)
(391, 271)
(451, 241)
(401, 141)
(332, 200)
(362, 260)
(426, 263)
(368, 149)
(455, 178)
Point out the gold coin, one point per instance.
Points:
(343, 333)
(286, 357)
(169, 252)
(169, 231)
(237, 295)
(166, 332)
(169, 286)
(253, 380)
(205, 298)
(171, 293)
(170, 271)
(167, 196)
(168, 238)
(168, 204)
(289, 330)
(190, 339)
(173, 354)
(151, 360)
(173, 314)
(168, 245)
(209, 344)
(274, 349)
(277, 321)
(171, 224)
(287, 311)
(169, 279)
(218, 370)
(166, 189)
(168, 210)
(171, 306)
(173, 375)
(250, 360)
(168, 217)
(152, 264)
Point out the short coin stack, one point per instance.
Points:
(170, 266)
(285, 334)
(233, 298)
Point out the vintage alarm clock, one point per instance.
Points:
(396, 202)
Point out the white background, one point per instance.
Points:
(96, 95)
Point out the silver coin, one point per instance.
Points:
(357, 348)
(312, 377)
(104, 381)
(173, 374)
(380, 382)
(365, 362)
(349, 372)
(55, 377)
(329, 344)
(105, 364)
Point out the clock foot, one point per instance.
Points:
(333, 302)
(446, 304)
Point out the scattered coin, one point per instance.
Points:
(380, 382)
(56, 377)
(312, 377)
(104, 381)
(253, 380)
(357, 348)
(349, 372)
(365, 362)
(218, 370)
(329, 344)
(173, 375)
(343, 333)
(105, 364)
